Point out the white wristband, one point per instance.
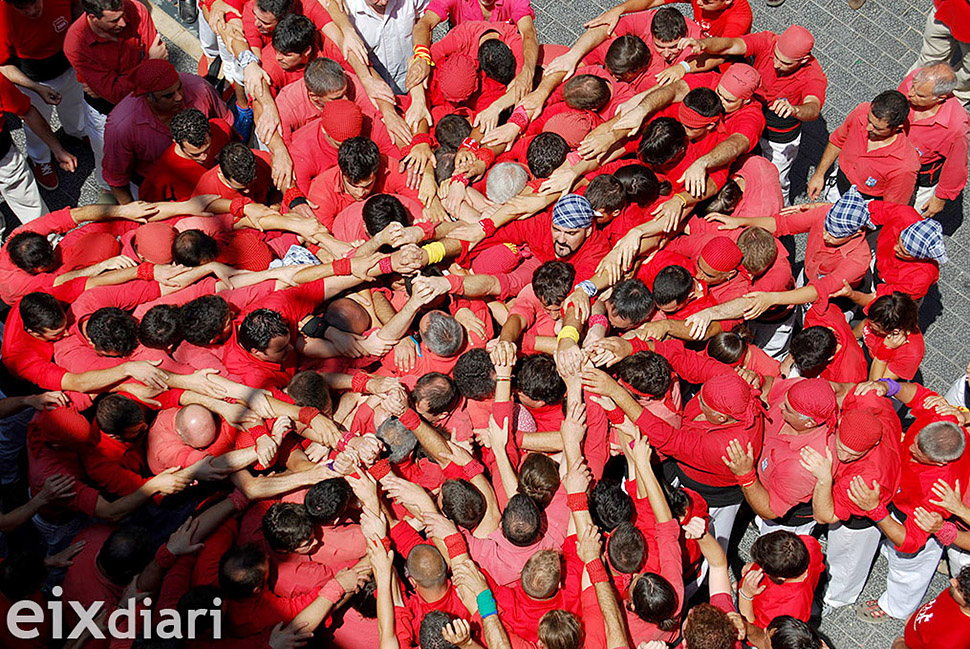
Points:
(686, 66)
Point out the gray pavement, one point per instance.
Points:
(863, 52)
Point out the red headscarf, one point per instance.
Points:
(814, 398)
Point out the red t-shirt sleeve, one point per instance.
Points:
(760, 44)
(12, 100)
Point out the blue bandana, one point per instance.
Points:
(572, 212)
(924, 240)
(849, 215)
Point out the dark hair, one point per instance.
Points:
(787, 632)
(475, 374)
(546, 153)
(97, 7)
(627, 55)
(704, 101)
(451, 130)
(647, 372)
(31, 252)
(727, 347)
(22, 575)
(238, 162)
(438, 390)
(259, 328)
(380, 210)
(726, 200)
(708, 627)
(496, 61)
(553, 281)
(812, 347)
(294, 34)
(663, 140)
(199, 598)
(328, 500)
(445, 159)
(430, 632)
(242, 571)
(610, 505)
(324, 76)
(203, 319)
(641, 184)
(358, 158)
(896, 311)
(668, 25)
(586, 92)
(194, 248)
(891, 106)
(781, 554)
(963, 582)
(632, 300)
(41, 311)
(159, 327)
(559, 629)
(606, 193)
(673, 284)
(115, 413)
(462, 502)
(189, 125)
(278, 8)
(655, 600)
(112, 331)
(287, 526)
(539, 478)
(398, 439)
(309, 389)
(521, 521)
(125, 553)
(626, 548)
(537, 378)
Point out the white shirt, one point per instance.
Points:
(388, 35)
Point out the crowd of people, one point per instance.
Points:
(374, 341)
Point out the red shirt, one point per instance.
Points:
(84, 582)
(12, 100)
(313, 153)
(407, 618)
(762, 188)
(119, 467)
(807, 80)
(258, 190)
(167, 449)
(955, 14)
(28, 357)
(913, 277)
(296, 109)
(748, 120)
(46, 460)
(34, 38)
(327, 189)
(16, 283)
(106, 65)
(849, 363)
(942, 139)
(888, 172)
(791, 598)
(903, 361)
(939, 622)
(257, 39)
(731, 22)
(174, 177)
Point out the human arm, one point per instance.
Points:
(817, 182)
(820, 466)
(39, 126)
(741, 462)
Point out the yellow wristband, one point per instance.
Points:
(684, 200)
(436, 251)
(570, 332)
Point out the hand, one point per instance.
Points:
(738, 460)
(65, 160)
(695, 528)
(327, 431)
(266, 449)
(695, 46)
(487, 119)
(377, 90)
(437, 526)
(569, 358)
(373, 524)
(353, 44)
(757, 303)
(394, 401)
(607, 19)
(750, 377)
(670, 213)
(168, 482)
(116, 263)
(346, 462)
(596, 145)
(895, 340)
(559, 181)
(290, 636)
(65, 558)
(580, 301)
(599, 382)
(468, 578)
(139, 211)
(498, 436)
(609, 351)
(48, 400)
(315, 452)
(948, 497)
(698, 324)
(405, 354)
(407, 494)
(56, 487)
(409, 260)
(815, 463)
(929, 522)
(588, 546)
(815, 186)
(416, 113)
(267, 125)
(798, 209)
(933, 207)
(381, 560)
(158, 49)
(741, 628)
(201, 381)
(48, 94)
(419, 158)
(504, 355)
(353, 577)
(368, 448)
(456, 454)
(254, 77)
(751, 583)
(562, 64)
(727, 222)
(183, 541)
(204, 471)
(670, 74)
(502, 135)
(282, 170)
(625, 251)
(880, 388)
(864, 498)
(458, 633)
(418, 71)
(577, 478)
(783, 108)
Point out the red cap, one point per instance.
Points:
(741, 80)
(859, 430)
(342, 119)
(90, 249)
(572, 125)
(692, 119)
(722, 254)
(153, 241)
(796, 42)
(814, 398)
(67, 427)
(729, 395)
(457, 77)
(497, 260)
(155, 75)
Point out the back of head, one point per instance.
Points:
(521, 521)
(663, 140)
(115, 413)
(328, 500)
(505, 181)
(546, 153)
(347, 315)
(553, 281)
(308, 389)
(287, 527)
(640, 184)
(97, 7)
(113, 332)
(125, 553)
(31, 252)
(781, 554)
(610, 506)
(442, 334)
(942, 441)
(189, 126)
(727, 347)
(475, 374)
(430, 632)
(426, 566)
(787, 632)
(438, 392)
(759, 248)
(259, 328)
(891, 106)
(668, 25)
(708, 627)
(242, 571)
(462, 502)
(726, 200)
(324, 76)
(672, 285)
(941, 75)
(358, 158)
(196, 425)
(399, 441)
(606, 193)
(536, 377)
(704, 101)
(294, 34)
(896, 311)
(194, 248)
(159, 327)
(451, 130)
(539, 478)
(559, 629)
(627, 56)
(380, 210)
(542, 574)
(632, 301)
(647, 372)
(496, 61)
(203, 319)
(41, 312)
(812, 348)
(655, 601)
(586, 92)
(238, 162)
(626, 548)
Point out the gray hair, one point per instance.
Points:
(397, 438)
(941, 75)
(942, 441)
(443, 335)
(324, 76)
(505, 181)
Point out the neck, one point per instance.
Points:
(98, 32)
(923, 113)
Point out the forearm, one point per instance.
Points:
(385, 610)
(613, 619)
(829, 156)
(757, 496)
(19, 516)
(679, 329)
(236, 460)
(398, 326)
(726, 152)
(893, 530)
(543, 442)
(270, 486)
(512, 329)
(530, 47)
(118, 509)
(94, 380)
(16, 76)
(802, 295)
(42, 129)
(823, 506)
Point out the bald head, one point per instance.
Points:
(940, 78)
(196, 426)
(347, 315)
(427, 567)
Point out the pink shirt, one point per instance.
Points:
(458, 11)
(762, 188)
(16, 283)
(349, 224)
(296, 109)
(166, 448)
(134, 138)
(538, 322)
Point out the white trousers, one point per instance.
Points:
(19, 187)
(850, 554)
(722, 523)
(95, 131)
(213, 47)
(767, 527)
(774, 338)
(923, 195)
(208, 38)
(939, 46)
(70, 112)
(909, 577)
(782, 155)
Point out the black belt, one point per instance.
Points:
(797, 515)
(857, 523)
(45, 69)
(929, 174)
(715, 496)
(844, 184)
(103, 106)
(781, 129)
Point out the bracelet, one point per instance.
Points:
(427, 228)
(947, 534)
(456, 284)
(422, 138)
(488, 225)
(470, 144)
(573, 158)
(578, 502)
(341, 267)
(745, 597)
(472, 469)
(291, 195)
(358, 382)
(238, 205)
(436, 252)
(146, 271)
(380, 469)
(486, 604)
(878, 513)
(596, 571)
(684, 200)
(520, 118)
(461, 179)
(486, 155)
(238, 500)
(386, 542)
(246, 57)
(599, 319)
(894, 386)
(342, 444)
(748, 478)
(332, 591)
(570, 332)
(455, 543)
(503, 378)
(615, 416)
(307, 414)
(410, 419)
(686, 66)
(385, 266)
(423, 53)
(589, 288)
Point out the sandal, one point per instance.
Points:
(871, 612)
